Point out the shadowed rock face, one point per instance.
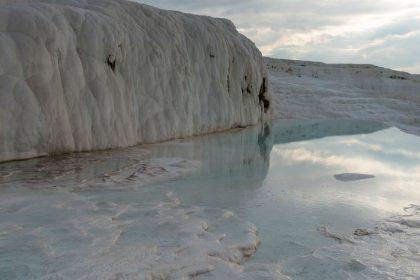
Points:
(93, 74)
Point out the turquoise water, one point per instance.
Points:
(279, 177)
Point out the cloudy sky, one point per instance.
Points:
(380, 32)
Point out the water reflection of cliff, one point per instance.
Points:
(244, 150)
(248, 150)
(244, 153)
(295, 131)
(236, 163)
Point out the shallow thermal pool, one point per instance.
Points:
(301, 200)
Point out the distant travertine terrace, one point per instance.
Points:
(314, 90)
(98, 74)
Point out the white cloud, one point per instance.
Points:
(381, 32)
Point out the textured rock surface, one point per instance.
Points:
(93, 74)
(312, 90)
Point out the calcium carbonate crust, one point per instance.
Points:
(98, 74)
(314, 90)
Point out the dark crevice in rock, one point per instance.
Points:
(228, 83)
(111, 61)
(265, 103)
(249, 89)
(396, 77)
(249, 85)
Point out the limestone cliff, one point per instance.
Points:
(97, 74)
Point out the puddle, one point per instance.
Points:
(257, 203)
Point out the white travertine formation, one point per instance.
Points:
(314, 90)
(98, 74)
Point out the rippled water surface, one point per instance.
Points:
(268, 202)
